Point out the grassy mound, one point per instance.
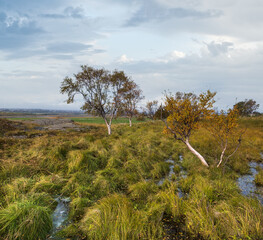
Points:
(25, 220)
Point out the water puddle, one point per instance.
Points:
(182, 173)
(247, 185)
(60, 217)
(171, 172)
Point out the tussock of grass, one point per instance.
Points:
(49, 184)
(17, 188)
(259, 178)
(25, 220)
(160, 169)
(239, 218)
(141, 190)
(113, 218)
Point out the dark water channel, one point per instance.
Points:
(60, 217)
(173, 229)
(247, 185)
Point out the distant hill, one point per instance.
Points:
(20, 111)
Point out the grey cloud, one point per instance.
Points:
(15, 32)
(53, 15)
(217, 48)
(69, 12)
(76, 12)
(25, 53)
(230, 77)
(67, 47)
(152, 11)
(17, 25)
(28, 5)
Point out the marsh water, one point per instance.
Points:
(182, 173)
(60, 216)
(247, 185)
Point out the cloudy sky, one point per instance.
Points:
(176, 45)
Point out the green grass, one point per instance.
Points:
(25, 220)
(99, 120)
(24, 118)
(112, 184)
(259, 178)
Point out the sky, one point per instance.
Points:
(163, 45)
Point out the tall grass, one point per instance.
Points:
(25, 220)
(113, 218)
(112, 183)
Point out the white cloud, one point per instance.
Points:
(124, 59)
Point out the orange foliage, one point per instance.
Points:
(186, 110)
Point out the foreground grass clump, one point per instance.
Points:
(25, 220)
(239, 218)
(113, 218)
(259, 178)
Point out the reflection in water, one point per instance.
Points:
(247, 185)
(60, 216)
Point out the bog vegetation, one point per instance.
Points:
(114, 183)
(139, 181)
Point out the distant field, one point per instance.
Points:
(91, 120)
(23, 118)
(99, 120)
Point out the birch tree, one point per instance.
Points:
(186, 111)
(130, 99)
(101, 91)
(151, 108)
(224, 127)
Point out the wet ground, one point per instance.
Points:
(173, 229)
(182, 173)
(247, 185)
(60, 217)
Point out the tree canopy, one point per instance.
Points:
(247, 107)
(151, 108)
(224, 127)
(131, 96)
(186, 110)
(101, 90)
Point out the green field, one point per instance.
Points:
(99, 120)
(87, 120)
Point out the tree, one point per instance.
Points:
(247, 107)
(101, 91)
(186, 110)
(224, 127)
(151, 108)
(131, 96)
(161, 113)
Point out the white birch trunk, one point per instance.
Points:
(196, 153)
(130, 121)
(222, 155)
(108, 126)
